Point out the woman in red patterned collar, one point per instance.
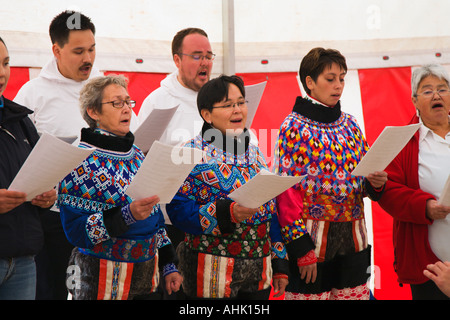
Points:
(323, 217)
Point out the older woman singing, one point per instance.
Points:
(121, 244)
(230, 251)
(416, 178)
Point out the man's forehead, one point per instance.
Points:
(81, 37)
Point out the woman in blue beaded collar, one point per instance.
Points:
(120, 243)
(230, 251)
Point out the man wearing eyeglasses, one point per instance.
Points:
(193, 57)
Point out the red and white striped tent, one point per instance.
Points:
(261, 41)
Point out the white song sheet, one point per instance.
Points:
(388, 144)
(253, 94)
(152, 128)
(444, 199)
(262, 188)
(48, 163)
(163, 171)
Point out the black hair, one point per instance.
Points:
(65, 22)
(215, 90)
(316, 60)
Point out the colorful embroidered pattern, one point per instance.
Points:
(332, 208)
(220, 174)
(98, 184)
(248, 241)
(326, 153)
(96, 229)
(127, 250)
(294, 231)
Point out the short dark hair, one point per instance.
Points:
(315, 62)
(67, 21)
(215, 90)
(177, 41)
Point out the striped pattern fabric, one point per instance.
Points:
(115, 280)
(215, 275)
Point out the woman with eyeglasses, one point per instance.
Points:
(229, 251)
(416, 178)
(121, 244)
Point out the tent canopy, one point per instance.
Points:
(278, 31)
(382, 41)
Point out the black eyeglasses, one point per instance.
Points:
(121, 103)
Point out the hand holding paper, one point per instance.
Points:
(163, 171)
(262, 188)
(48, 163)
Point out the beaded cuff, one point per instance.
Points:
(127, 215)
(168, 269)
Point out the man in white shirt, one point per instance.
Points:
(53, 96)
(193, 57)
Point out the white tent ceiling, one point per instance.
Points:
(409, 32)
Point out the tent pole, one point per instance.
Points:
(228, 37)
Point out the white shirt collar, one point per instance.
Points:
(424, 131)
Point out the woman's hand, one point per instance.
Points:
(45, 200)
(436, 211)
(10, 200)
(307, 267)
(279, 285)
(173, 282)
(141, 209)
(308, 272)
(240, 213)
(377, 179)
(439, 273)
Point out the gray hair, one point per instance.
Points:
(427, 70)
(91, 95)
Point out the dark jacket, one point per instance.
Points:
(21, 232)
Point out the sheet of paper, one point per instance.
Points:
(152, 128)
(163, 171)
(444, 199)
(48, 163)
(253, 94)
(262, 188)
(69, 140)
(387, 146)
